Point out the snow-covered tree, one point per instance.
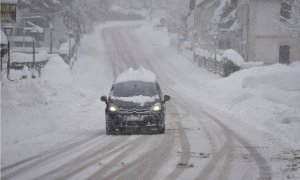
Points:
(178, 11)
(77, 14)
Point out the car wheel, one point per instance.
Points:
(109, 131)
(161, 131)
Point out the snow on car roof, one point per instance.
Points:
(140, 74)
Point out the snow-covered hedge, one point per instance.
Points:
(226, 62)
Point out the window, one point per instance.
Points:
(286, 10)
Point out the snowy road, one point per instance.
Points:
(201, 142)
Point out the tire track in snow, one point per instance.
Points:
(42, 157)
(85, 160)
(146, 166)
(177, 171)
(184, 142)
(264, 168)
(117, 160)
(117, 64)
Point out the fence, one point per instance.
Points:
(223, 67)
(38, 66)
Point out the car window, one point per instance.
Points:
(134, 88)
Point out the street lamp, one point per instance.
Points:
(215, 38)
(51, 37)
(8, 32)
(70, 35)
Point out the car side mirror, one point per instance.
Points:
(167, 98)
(104, 99)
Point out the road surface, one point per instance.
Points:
(200, 141)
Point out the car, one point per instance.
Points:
(135, 104)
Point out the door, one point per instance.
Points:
(284, 54)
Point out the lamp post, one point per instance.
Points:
(70, 35)
(8, 32)
(215, 38)
(51, 38)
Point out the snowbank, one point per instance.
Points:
(282, 79)
(265, 97)
(37, 114)
(64, 47)
(56, 71)
(141, 74)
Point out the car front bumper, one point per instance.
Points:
(151, 121)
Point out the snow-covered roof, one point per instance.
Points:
(140, 74)
(3, 38)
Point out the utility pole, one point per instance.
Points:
(33, 58)
(51, 38)
(8, 60)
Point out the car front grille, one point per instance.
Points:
(134, 111)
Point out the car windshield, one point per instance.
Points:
(134, 88)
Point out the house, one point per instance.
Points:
(260, 30)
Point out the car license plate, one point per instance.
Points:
(133, 118)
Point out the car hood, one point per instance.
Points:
(136, 102)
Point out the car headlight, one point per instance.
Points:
(113, 108)
(156, 107)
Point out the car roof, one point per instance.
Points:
(140, 74)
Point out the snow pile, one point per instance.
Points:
(141, 74)
(56, 71)
(233, 56)
(136, 99)
(265, 97)
(277, 77)
(64, 47)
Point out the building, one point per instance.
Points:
(260, 30)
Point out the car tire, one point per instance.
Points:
(109, 131)
(161, 131)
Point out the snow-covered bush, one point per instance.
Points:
(226, 62)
